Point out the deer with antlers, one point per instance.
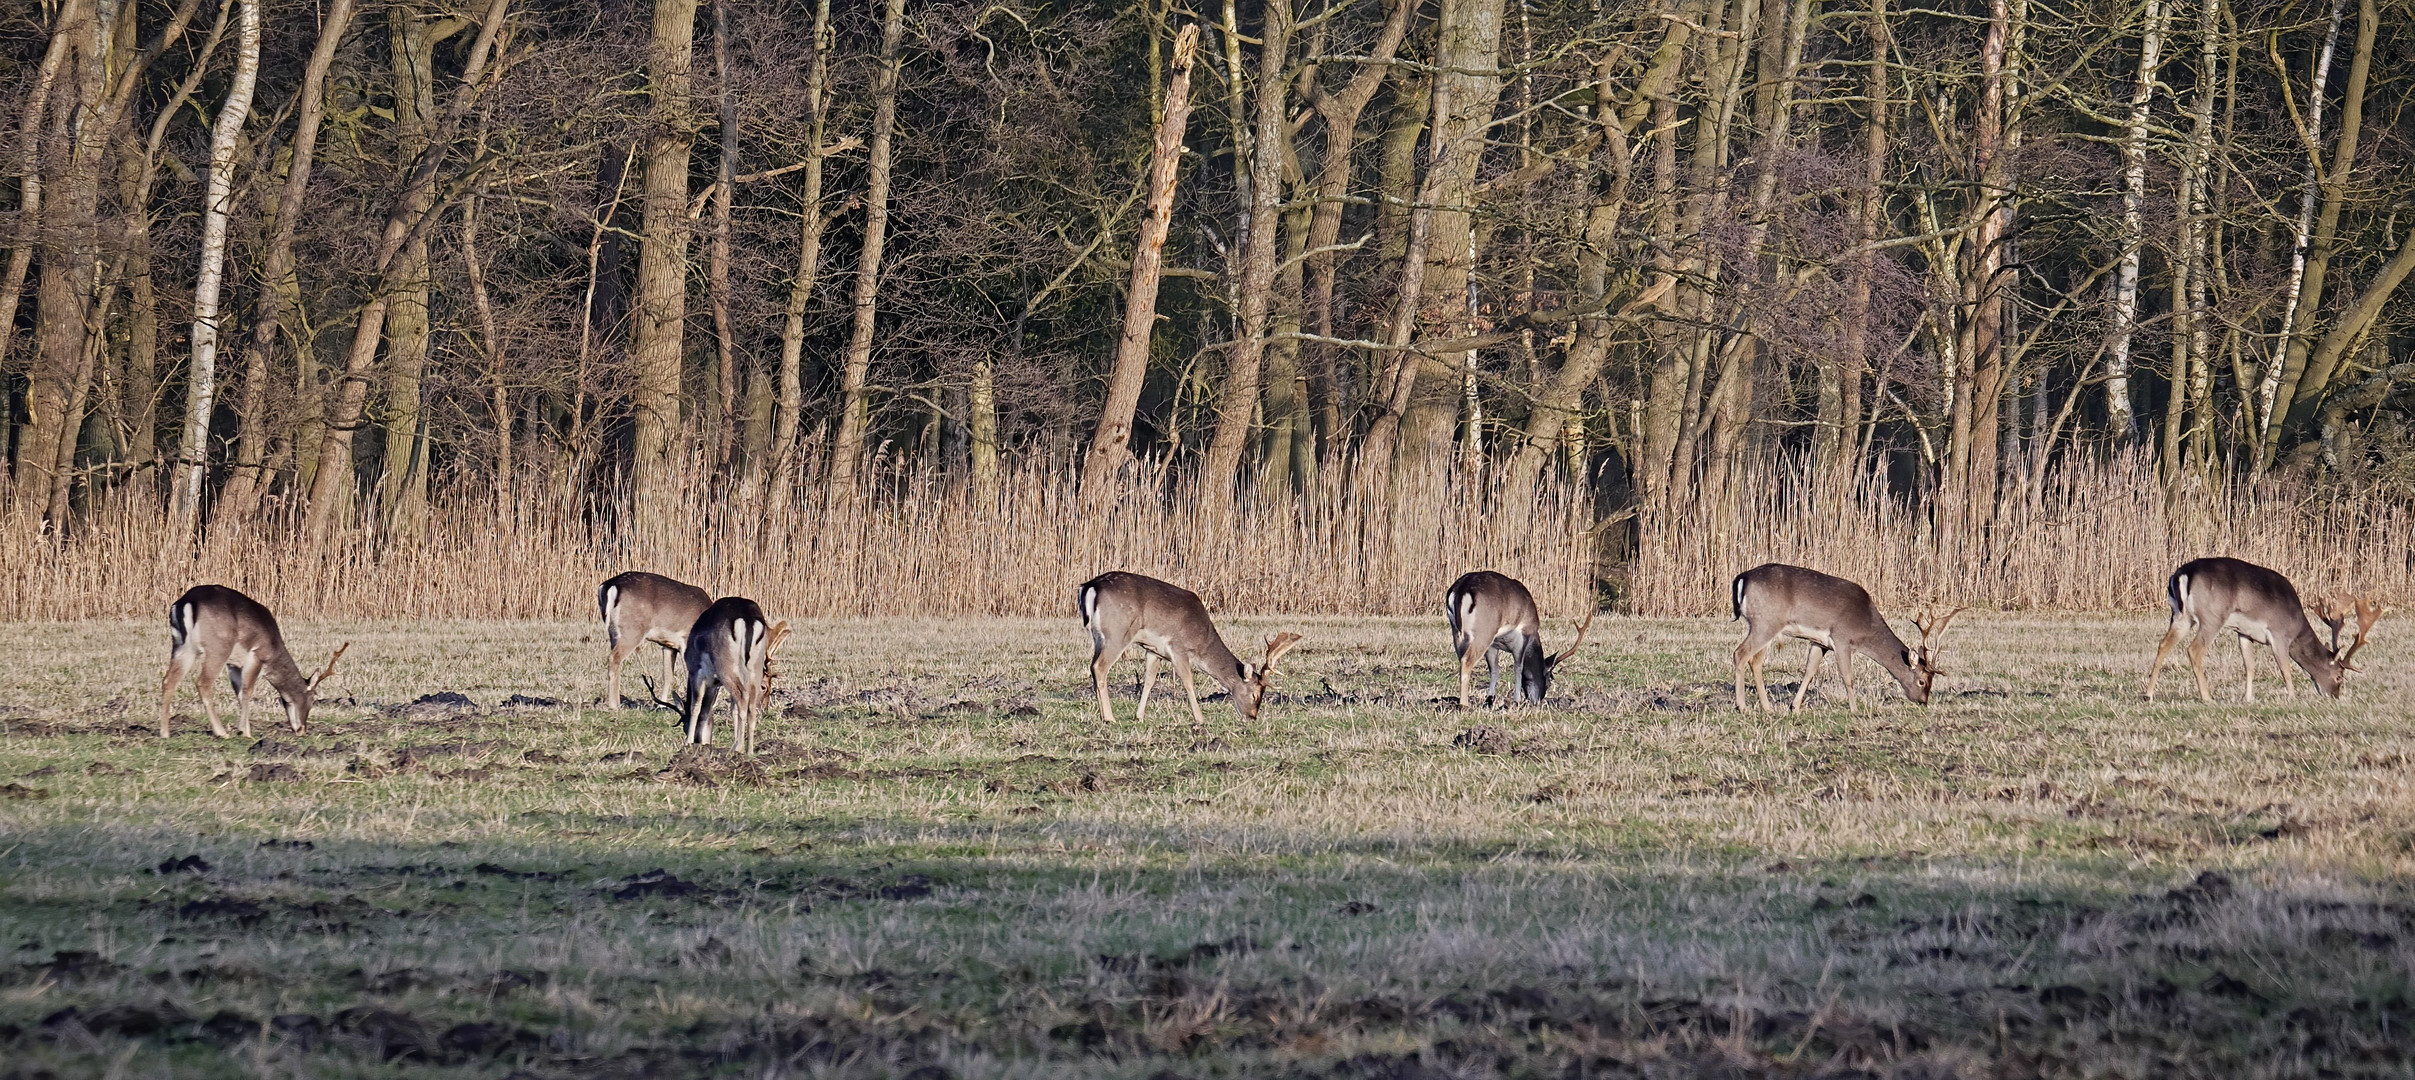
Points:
(1122, 610)
(2213, 595)
(728, 648)
(1777, 601)
(212, 626)
(1493, 613)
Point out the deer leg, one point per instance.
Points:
(704, 713)
(180, 664)
(670, 665)
(1467, 669)
(209, 705)
(699, 709)
(1148, 682)
(612, 682)
(1190, 689)
(1748, 654)
(1102, 658)
(2247, 666)
(247, 679)
(2197, 648)
(1810, 672)
(1492, 677)
(2171, 638)
(1844, 669)
(2281, 660)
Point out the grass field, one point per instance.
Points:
(944, 867)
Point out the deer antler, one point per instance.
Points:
(1932, 631)
(675, 704)
(2333, 611)
(1276, 648)
(2369, 610)
(771, 644)
(321, 677)
(1580, 639)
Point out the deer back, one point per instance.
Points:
(734, 638)
(1126, 606)
(642, 603)
(1484, 598)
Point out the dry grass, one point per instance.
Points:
(909, 547)
(944, 863)
(2100, 537)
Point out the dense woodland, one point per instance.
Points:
(344, 263)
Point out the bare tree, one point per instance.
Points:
(215, 210)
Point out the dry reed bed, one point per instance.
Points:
(908, 547)
(2099, 537)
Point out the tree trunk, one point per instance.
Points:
(29, 169)
(1468, 47)
(332, 482)
(2309, 192)
(1341, 112)
(2190, 335)
(1108, 444)
(725, 349)
(809, 257)
(662, 262)
(2294, 398)
(2122, 319)
(403, 486)
(216, 206)
(69, 242)
(846, 453)
(1238, 402)
(1558, 401)
(1834, 444)
(278, 280)
(491, 343)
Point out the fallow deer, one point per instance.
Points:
(729, 648)
(2213, 595)
(1122, 610)
(1833, 614)
(1491, 613)
(212, 626)
(639, 607)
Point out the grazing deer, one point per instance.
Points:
(212, 626)
(2213, 595)
(1492, 613)
(1778, 601)
(729, 648)
(1168, 622)
(640, 607)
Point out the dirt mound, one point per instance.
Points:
(706, 766)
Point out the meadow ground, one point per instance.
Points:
(943, 866)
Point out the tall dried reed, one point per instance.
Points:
(908, 545)
(2099, 536)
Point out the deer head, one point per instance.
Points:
(1256, 678)
(297, 713)
(1932, 634)
(1537, 681)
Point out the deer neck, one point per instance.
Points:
(280, 671)
(1891, 654)
(1212, 657)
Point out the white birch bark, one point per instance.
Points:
(2309, 188)
(215, 208)
(2124, 316)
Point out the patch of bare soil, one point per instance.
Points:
(708, 766)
